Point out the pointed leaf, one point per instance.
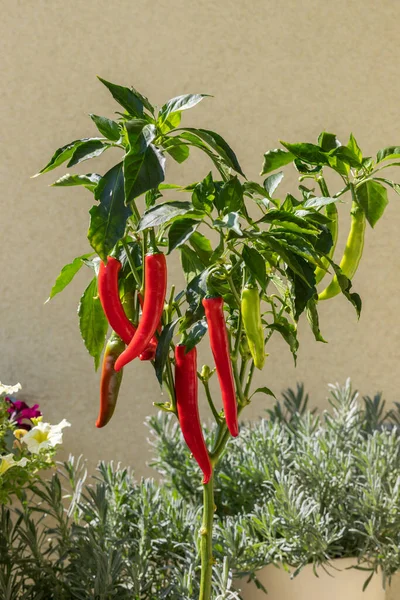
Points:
(125, 97)
(231, 196)
(373, 199)
(143, 172)
(272, 182)
(355, 148)
(256, 264)
(67, 274)
(274, 159)
(202, 246)
(196, 334)
(89, 181)
(309, 153)
(328, 141)
(313, 319)
(92, 322)
(163, 348)
(107, 127)
(230, 221)
(62, 154)
(162, 213)
(263, 390)
(218, 144)
(388, 153)
(172, 122)
(87, 150)
(191, 264)
(180, 231)
(178, 104)
(108, 218)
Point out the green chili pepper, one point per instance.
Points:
(252, 324)
(332, 213)
(352, 253)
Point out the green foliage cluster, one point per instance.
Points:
(294, 488)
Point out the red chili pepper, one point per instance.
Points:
(113, 309)
(186, 392)
(150, 352)
(220, 348)
(155, 274)
(110, 300)
(110, 380)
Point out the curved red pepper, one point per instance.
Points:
(110, 300)
(113, 309)
(220, 348)
(155, 274)
(110, 380)
(186, 392)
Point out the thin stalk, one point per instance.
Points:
(131, 263)
(171, 385)
(206, 545)
(249, 379)
(210, 401)
(239, 390)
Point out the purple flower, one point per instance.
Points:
(21, 413)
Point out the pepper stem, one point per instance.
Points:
(206, 545)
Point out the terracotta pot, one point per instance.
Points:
(342, 584)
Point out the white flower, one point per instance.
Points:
(8, 461)
(44, 436)
(9, 389)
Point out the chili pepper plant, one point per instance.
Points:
(255, 277)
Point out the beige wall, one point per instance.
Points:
(278, 70)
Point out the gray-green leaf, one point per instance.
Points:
(274, 159)
(88, 181)
(87, 150)
(162, 213)
(180, 231)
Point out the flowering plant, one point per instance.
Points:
(27, 444)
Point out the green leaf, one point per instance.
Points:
(87, 150)
(162, 213)
(230, 221)
(256, 264)
(92, 322)
(373, 199)
(196, 291)
(318, 202)
(313, 319)
(191, 264)
(178, 104)
(196, 334)
(107, 127)
(347, 156)
(392, 184)
(388, 153)
(172, 122)
(263, 390)
(289, 333)
(89, 181)
(62, 154)
(275, 159)
(272, 182)
(303, 288)
(355, 148)
(108, 218)
(218, 144)
(179, 151)
(203, 194)
(283, 217)
(163, 347)
(131, 101)
(309, 153)
(140, 134)
(180, 231)
(328, 141)
(345, 286)
(143, 172)
(202, 247)
(230, 198)
(251, 187)
(67, 274)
